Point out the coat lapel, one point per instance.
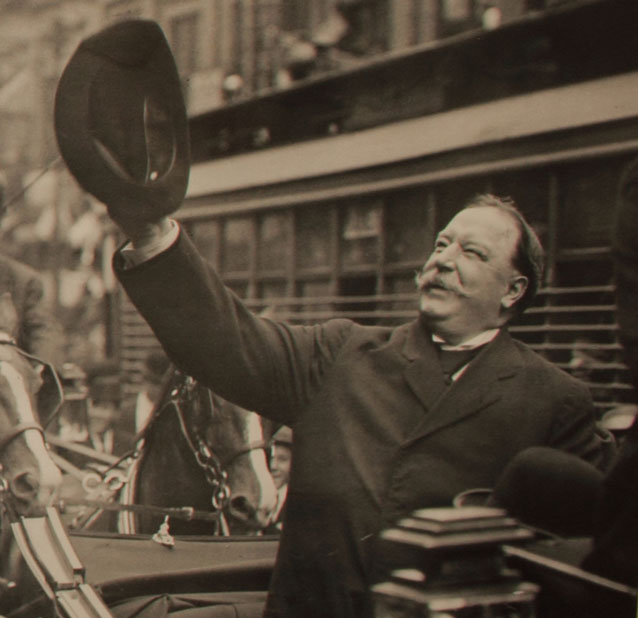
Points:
(423, 373)
(477, 388)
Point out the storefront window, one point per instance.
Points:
(313, 226)
(238, 240)
(360, 233)
(274, 242)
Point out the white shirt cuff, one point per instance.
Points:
(143, 252)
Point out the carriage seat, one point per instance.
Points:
(244, 604)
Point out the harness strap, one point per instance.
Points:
(264, 445)
(187, 513)
(17, 430)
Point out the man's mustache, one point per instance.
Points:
(425, 281)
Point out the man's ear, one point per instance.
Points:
(517, 287)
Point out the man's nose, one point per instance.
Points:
(445, 257)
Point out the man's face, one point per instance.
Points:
(280, 464)
(468, 283)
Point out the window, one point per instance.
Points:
(360, 232)
(274, 243)
(313, 229)
(206, 236)
(409, 226)
(588, 191)
(237, 245)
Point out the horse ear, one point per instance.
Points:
(8, 314)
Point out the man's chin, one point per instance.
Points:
(434, 308)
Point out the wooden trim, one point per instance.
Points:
(198, 208)
(514, 117)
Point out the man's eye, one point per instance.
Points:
(474, 252)
(440, 245)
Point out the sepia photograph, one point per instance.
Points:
(318, 309)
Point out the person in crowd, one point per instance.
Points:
(38, 332)
(107, 432)
(72, 422)
(103, 412)
(155, 367)
(280, 460)
(386, 419)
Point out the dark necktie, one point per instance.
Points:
(452, 360)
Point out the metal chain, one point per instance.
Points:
(214, 471)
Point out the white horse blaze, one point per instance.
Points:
(49, 474)
(268, 494)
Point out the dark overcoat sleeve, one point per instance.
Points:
(210, 334)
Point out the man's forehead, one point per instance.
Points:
(485, 223)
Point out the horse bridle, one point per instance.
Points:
(214, 467)
(19, 428)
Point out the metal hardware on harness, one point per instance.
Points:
(213, 468)
(187, 513)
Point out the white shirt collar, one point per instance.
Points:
(476, 341)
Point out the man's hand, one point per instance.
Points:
(140, 231)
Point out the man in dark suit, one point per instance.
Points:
(386, 420)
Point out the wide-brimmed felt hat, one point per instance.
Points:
(120, 120)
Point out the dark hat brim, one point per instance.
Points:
(121, 122)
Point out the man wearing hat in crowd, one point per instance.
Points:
(385, 419)
(38, 332)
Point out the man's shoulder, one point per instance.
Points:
(537, 365)
(348, 332)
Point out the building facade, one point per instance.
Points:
(322, 199)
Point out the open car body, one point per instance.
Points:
(126, 576)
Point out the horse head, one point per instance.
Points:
(204, 452)
(235, 446)
(28, 472)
